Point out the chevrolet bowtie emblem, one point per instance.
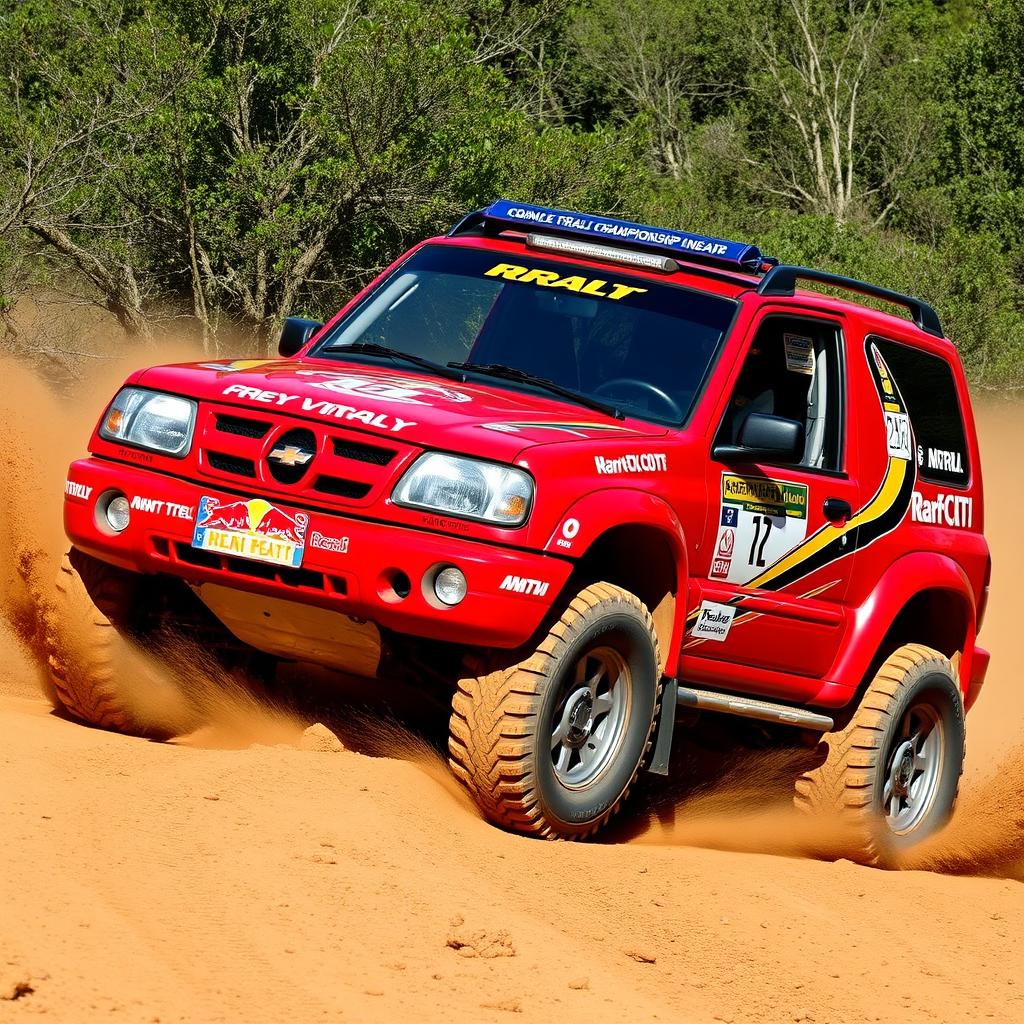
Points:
(289, 455)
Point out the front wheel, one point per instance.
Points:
(550, 746)
(892, 775)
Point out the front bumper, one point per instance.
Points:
(348, 565)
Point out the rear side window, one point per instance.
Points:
(929, 391)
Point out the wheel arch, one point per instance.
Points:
(634, 540)
(924, 598)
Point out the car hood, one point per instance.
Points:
(389, 400)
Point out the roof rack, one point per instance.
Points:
(781, 280)
(719, 252)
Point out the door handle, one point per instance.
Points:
(836, 509)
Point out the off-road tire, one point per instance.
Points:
(847, 788)
(88, 656)
(500, 741)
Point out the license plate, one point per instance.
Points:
(255, 529)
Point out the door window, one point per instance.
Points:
(793, 370)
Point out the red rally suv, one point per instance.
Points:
(591, 476)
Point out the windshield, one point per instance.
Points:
(639, 345)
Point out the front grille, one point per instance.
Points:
(341, 488)
(346, 449)
(349, 467)
(231, 464)
(241, 426)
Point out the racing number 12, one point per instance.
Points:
(758, 543)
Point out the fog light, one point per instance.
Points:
(118, 513)
(450, 585)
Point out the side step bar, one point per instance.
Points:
(747, 707)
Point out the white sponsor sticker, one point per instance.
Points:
(713, 621)
(162, 508)
(943, 510)
(897, 435)
(641, 462)
(947, 462)
(799, 353)
(380, 420)
(75, 490)
(339, 545)
(522, 585)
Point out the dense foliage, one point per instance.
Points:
(231, 161)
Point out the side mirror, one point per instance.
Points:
(295, 332)
(764, 437)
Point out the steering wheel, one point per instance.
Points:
(642, 385)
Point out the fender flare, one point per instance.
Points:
(595, 514)
(907, 577)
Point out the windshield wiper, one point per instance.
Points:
(522, 377)
(371, 348)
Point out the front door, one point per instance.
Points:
(777, 564)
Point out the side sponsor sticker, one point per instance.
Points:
(641, 462)
(159, 507)
(253, 529)
(897, 435)
(713, 621)
(522, 585)
(76, 490)
(339, 545)
(761, 521)
(943, 510)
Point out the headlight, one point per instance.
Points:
(467, 487)
(149, 419)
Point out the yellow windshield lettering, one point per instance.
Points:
(596, 286)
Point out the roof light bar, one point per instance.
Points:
(738, 255)
(571, 247)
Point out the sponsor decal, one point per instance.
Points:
(576, 429)
(594, 286)
(713, 621)
(943, 510)
(605, 227)
(570, 528)
(897, 435)
(234, 366)
(440, 523)
(134, 455)
(799, 353)
(645, 462)
(939, 458)
(380, 420)
(384, 388)
(161, 508)
(521, 585)
(761, 520)
(253, 529)
(339, 545)
(76, 490)
(720, 568)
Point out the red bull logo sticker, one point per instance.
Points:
(253, 529)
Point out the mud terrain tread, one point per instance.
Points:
(82, 644)
(493, 716)
(843, 783)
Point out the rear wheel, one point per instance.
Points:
(892, 774)
(550, 746)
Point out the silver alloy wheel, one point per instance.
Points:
(590, 716)
(913, 768)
